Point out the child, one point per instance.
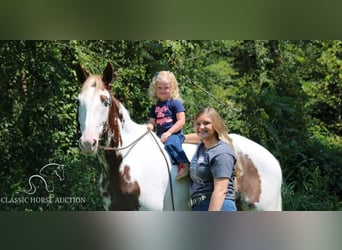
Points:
(168, 114)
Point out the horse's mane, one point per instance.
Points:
(113, 121)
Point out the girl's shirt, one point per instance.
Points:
(209, 164)
(165, 114)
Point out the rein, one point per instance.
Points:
(161, 150)
(129, 145)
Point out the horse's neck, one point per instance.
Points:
(129, 128)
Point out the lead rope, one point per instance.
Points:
(129, 145)
(168, 169)
(161, 150)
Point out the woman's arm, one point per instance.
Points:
(219, 193)
(192, 138)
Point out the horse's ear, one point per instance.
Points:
(108, 74)
(82, 75)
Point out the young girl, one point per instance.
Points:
(168, 115)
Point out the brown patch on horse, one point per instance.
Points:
(126, 185)
(248, 186)
(124, 195)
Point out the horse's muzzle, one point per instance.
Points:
(88, 146)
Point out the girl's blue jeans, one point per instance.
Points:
(173, 146)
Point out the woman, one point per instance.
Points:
(212, 169)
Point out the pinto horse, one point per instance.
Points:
(137, 173)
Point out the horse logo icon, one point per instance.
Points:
(58, 170)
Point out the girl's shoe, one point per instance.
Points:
(183, 170)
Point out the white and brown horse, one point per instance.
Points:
(137, 173)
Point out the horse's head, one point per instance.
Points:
(94, 105)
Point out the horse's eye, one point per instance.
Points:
(106, 103)
(106, 100)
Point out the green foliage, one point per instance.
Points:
(286, 95)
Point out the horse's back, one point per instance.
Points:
(260, 184)
(189, 149)
(261, 155)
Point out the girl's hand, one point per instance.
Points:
(164, 136)
(149, 126)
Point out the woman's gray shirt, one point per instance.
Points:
(209, 164)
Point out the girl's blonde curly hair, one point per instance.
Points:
(164, 76)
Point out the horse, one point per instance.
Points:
(137, 173)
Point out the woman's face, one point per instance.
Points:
(204, 127)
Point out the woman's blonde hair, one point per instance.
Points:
(222, 132)
(164, 76)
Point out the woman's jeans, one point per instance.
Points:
(228, 205)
